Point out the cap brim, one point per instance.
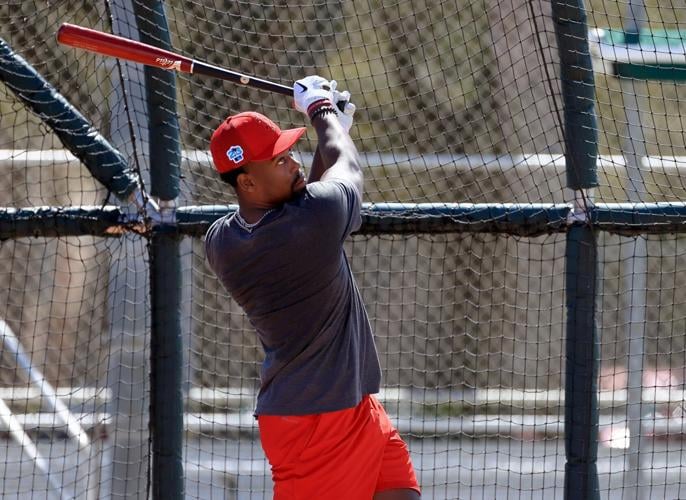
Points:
(285, 142)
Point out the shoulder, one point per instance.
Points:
(218, 235)
(340, 190)
(334, 204)
(216, 227)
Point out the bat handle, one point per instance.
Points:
(206, 69)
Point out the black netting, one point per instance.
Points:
(457, 101)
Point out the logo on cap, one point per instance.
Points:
(235, 154)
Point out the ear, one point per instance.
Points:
(245, 182)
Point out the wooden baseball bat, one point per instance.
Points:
(131, 50)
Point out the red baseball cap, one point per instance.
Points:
(247, 137)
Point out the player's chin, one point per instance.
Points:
(299, 184)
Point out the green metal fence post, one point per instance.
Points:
(166, 350)
(581, 151)
(166, 399)
(581, 399)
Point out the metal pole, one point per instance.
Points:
(166, 347)
(581, 389)
(127, 456)
(17, 432)
(635, 269)
(74, 429)
(581, 262)
(12, 344)
(166, 368)
(635, 265)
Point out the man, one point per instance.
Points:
(281, 258)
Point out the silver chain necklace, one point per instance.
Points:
(247, 226)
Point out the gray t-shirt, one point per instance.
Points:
(292, 279)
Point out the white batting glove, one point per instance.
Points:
(342, 100)
(310, 90)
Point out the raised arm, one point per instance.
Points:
(336, 156)
(317, 168)
(339, 157)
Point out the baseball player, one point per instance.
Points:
(281, 257)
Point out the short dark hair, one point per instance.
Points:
(231, 177)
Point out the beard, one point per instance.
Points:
(299, 182)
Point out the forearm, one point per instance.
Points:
(338, 156)
(317, 168)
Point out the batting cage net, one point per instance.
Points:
(466, 116)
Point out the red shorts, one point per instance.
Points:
(351, 454)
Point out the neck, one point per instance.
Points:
(250, 226)
(251, 211)
(252, 214)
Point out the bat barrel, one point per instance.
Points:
(131, 50)
(122, 48)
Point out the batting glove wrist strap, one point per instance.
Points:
(323, 110)
(320, 107)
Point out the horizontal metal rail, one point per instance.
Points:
(381, 218)
(471, 426)
(216, 400)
